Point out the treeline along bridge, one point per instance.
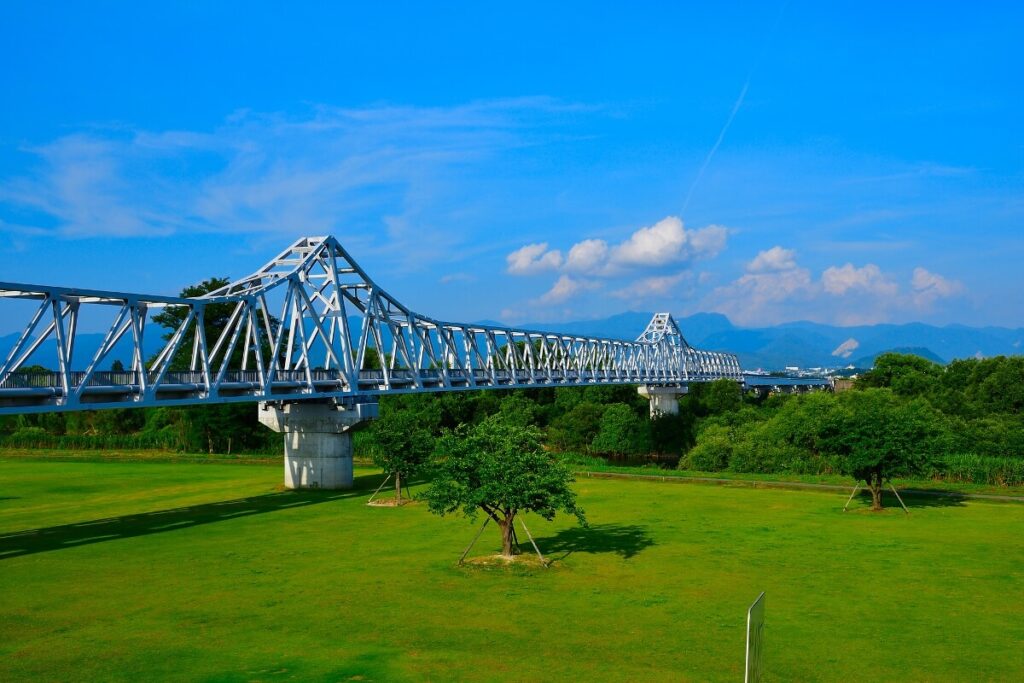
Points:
(314, 340)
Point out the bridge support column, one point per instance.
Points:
(664, 400)
(317, 440)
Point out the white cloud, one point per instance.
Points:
(776, 288)
(456, 277)
(762, 298)
(846, 349)
(869, 278)
(709, 241)
(773, 259)
(658, 286)
(763, 294)
(929, 287)
(565, 288)
(651, 248)
(320, 172)
(667, 241)
(533, 258)
(769, 287)
(587, 256)
(656, 245)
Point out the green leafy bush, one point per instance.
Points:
(576, 429)
(622, 432)
(713, 451)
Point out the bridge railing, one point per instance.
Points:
(130, 380)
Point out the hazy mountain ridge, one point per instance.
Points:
(809, 344)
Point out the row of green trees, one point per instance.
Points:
(977, 406)
(962, 422)
(232, 428)
(870, 434)
(907, 417)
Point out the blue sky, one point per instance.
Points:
(839, 162)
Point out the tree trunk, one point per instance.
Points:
(875, 484)
(507, 536)
(398, 488)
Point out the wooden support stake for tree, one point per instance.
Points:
(386, 480)
(855, 489)
(898, 498)
(473, 542)
(533, 543)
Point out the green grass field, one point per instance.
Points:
(148, 571)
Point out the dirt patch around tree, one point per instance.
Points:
(390, 503)
(498, 561)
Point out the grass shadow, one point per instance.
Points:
(929, 499)
(28, 542)
(625, 540)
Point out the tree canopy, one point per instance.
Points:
(880, 437)
(215, 319)
(402, 445)
(500, 468)
(622, 432)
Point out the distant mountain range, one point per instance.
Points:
(803, 344)
(807, 344)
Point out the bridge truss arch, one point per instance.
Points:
(310, 324)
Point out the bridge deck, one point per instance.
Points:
(39, 392)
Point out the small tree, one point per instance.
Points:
(879, 438)
(500, 467)
(402, 445)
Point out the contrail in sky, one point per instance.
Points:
(735, 108)
(718, 142)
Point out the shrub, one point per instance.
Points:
(713, 451)
(672, 434)
(724, 395)
(622, 432)
(760, 456)
(577, 428)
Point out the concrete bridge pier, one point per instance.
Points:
(317, 440)
(664, 400)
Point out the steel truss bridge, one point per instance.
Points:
(310, 324)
